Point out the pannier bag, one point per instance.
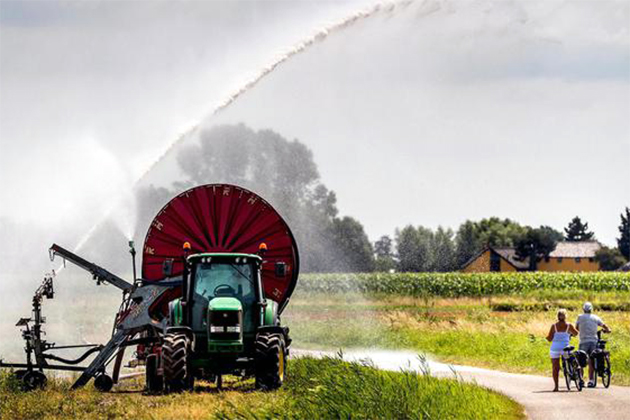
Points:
(582, 358)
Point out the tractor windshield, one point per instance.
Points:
(226, 279)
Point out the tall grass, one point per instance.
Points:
(334, 389)
(500, 332)
(315, 389)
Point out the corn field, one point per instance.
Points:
(462, 284)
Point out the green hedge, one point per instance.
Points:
(462, 284)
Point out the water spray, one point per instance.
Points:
(318, 37)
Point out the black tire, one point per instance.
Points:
(19, 374)
(607, 372)
(567, 376)
(270, 361)
(577, 374)
(103, 382)
(34, 380)
(175, 351)
(154, 381)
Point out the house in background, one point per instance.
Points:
(568, 256)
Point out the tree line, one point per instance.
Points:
(419, 249)
(285, 173)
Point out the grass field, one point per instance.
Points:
(315, 389)
(463, 320)
(505, 332)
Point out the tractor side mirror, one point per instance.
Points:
(167, 267)
(281, 269)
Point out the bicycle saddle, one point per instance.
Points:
(569, 348)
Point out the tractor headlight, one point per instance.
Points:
(216, 329)
(233, 329)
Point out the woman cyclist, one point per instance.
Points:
(559, 335)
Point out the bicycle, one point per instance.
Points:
(571, 368)
(601, 361)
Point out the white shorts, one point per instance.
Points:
(555, 354)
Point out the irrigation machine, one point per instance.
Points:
(219, 265)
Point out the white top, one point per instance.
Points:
(588, 324)
(560, 339)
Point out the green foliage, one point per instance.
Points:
(443, 250)
(342, 390)
(383, 249)
(623, 242)
(497, 232)
(333, 389)
(577, 231)
(414, 247)
(472, 236)
(552, 306)
(535, 244)
(462, 284)
(420, 249)
(354, 248)
(609, 259)
(467, 243)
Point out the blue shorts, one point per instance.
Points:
(588, 347)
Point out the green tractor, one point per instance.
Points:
(224, 318)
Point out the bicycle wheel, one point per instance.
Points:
(606, 372)
(567, 375)
(577, 374)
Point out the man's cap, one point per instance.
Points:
(588, 306)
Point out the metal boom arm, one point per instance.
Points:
(97, 271)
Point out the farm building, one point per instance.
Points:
(568, 256)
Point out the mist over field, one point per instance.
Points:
(427, 112)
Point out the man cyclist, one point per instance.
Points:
(587, 324)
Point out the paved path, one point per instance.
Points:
(533, 392)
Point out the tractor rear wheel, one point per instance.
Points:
(154, 381)
(175, 352)
(270, 361)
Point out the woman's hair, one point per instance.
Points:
(562, 314)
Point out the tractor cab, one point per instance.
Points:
(225, 300)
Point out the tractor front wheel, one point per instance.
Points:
(271, 363)
(175, 352)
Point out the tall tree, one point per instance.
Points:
(414, 249)
(577, 231)
(623, 242)
(609, 259)
(467, 242)
(472, 236)
(285, 174)
(498, 232)
(355, 253)
(384, 251)
(536, 244)
(443, 250)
